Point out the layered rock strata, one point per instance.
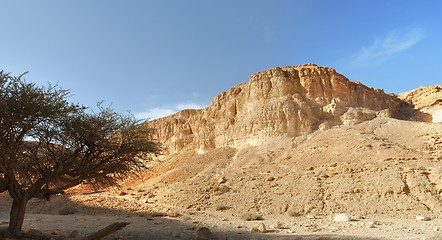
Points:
(278, 102)
(427, 100)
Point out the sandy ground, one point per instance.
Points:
(154, 224)
(381, 173)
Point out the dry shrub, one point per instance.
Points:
(294, 213)
(251, 217)
(222, 190)
(221, 207)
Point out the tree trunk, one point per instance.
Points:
(17, 216)
(107, 231)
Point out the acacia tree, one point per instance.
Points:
(48, 145)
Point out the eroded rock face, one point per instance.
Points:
(278, 102)
(427, 100)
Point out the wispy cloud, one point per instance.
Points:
(183, 106)
(155, 113)
(384, 48)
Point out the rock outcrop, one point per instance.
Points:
(426, 100)
(278, 102)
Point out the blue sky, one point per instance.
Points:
(153, 58)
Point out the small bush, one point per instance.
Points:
(251, 217)
(221, 207)
(67, 211)
(294, 213)
(221, 190)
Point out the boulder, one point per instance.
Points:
(260, 227)
(341, 217)
(205, 234)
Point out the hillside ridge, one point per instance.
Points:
(278, 102)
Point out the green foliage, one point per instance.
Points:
(48, 144)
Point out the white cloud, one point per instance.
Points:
(155, 113)
(183, 106)
(382, 49)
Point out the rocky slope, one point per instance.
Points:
(278, 102)
(293, 148)
(382, 165)
(302, 141)
(427, 100)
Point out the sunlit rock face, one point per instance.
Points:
(427, 100)
(279, 102)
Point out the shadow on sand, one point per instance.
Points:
(62, 218)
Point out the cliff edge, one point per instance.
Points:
(278, 102)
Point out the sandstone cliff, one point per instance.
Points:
(427, 100)
(287, 143)
(278, 102)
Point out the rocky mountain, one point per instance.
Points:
(303, 141)
(279, 102)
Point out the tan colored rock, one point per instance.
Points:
(357, 115)
(34, 232)
(422, 218)
(222, 180)
(427, 100)
(269, 126)
(341, 217)
(277, 225)
(278, 102)
(260, 227)
(205, 234)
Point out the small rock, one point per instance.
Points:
(222, 180)
(277, 225)
(56, 232)
(372, 224)
(205, 234)
(437, 229)
(34, 232)
(260, 227)
(73, 234)
(422, 218)
(333, 165)
(341, 217)
(270, 179)
(173, 214)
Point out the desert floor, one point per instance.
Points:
(87, 217)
